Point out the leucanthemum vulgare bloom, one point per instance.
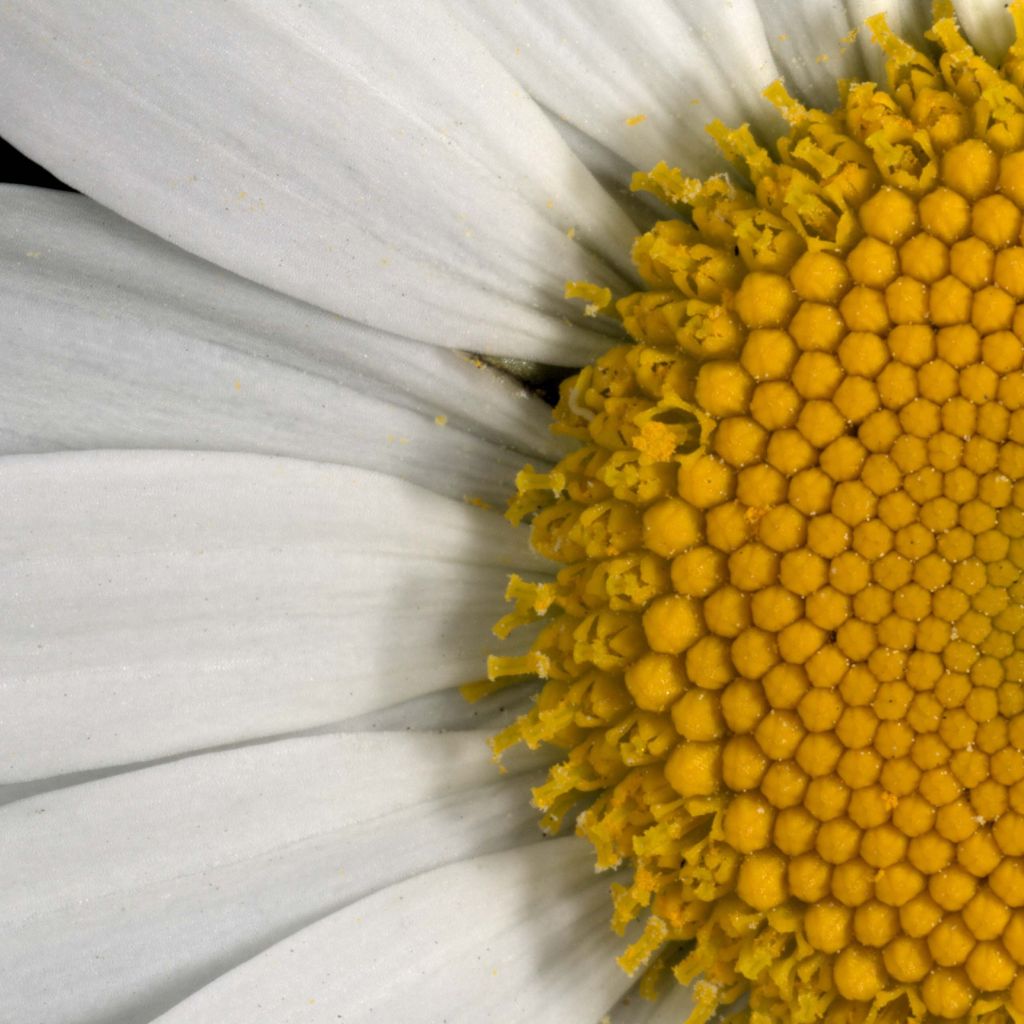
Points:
(242, 579)
(788, 667)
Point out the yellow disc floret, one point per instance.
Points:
(784, 652)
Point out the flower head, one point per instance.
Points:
(788, 661)
(241, 578)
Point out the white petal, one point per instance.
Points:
(679, 64)
(370, 158)
(599, 66)
(113, 338)
(988, 26)
(123, 896)
(515, 936)
(808, 40)
(156, 603)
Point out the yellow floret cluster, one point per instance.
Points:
(785, 651)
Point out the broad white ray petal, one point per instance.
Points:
(113, 338)
(516, 936)
(372, 159)
(677, 65)
(161, 602)
(124, 896)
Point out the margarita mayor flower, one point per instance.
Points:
(788, 654)
(247, 558)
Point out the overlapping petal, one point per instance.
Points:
(161, 602)
(988, 26)
(554, 50)
(679, 64)
(114, 339)
(122, 896)
(514, 936)
(373, 159)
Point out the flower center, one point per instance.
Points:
(785, 653)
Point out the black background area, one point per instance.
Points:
(17, 169)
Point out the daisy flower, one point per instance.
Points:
(251, 549)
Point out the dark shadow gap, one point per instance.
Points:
(17, 169)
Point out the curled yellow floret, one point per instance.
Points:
(784, 654)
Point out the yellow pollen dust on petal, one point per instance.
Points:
(783, 652)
